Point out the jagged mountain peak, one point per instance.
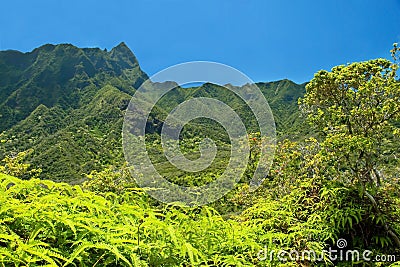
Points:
(123, 53)
(121, 45)
(57, 74)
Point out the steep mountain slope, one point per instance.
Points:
(282, 97)
(67, 103)
(61, 75)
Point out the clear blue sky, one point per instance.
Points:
(267, 40)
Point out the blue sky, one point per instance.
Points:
(267, 40)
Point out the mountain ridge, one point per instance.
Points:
(67, 104)
(53, 74)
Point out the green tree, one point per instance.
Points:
(112, 179)
(15, 165)
(356, 108)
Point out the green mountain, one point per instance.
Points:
(67, 103)
(63, 76)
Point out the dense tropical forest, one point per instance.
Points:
(67, 197)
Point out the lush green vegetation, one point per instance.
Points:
(341, 182)
(67, 104)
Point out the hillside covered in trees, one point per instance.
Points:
(67, 104)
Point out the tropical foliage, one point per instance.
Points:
(339, 183)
